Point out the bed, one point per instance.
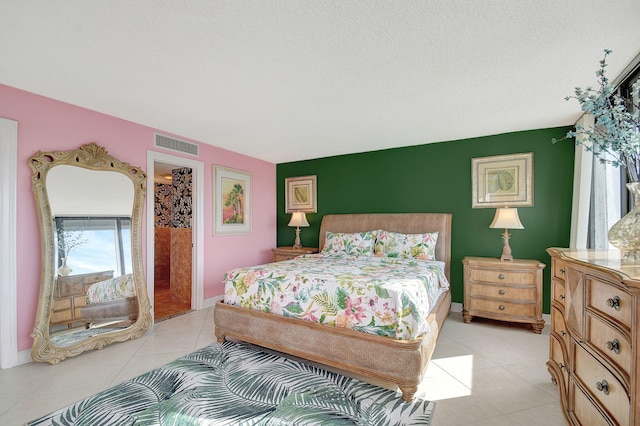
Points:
(374, 357)
(113, 299)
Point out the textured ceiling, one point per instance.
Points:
(298, 79)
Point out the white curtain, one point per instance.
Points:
(596, 197)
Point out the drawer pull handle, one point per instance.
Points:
(562, 271)
(603, 387)
(614, 303)
(561, 366)
(501, 307)
(501, 292)
(501, 276)
(614, 345)
(563, 333)
(562, 297)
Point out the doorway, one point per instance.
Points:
(173, 253)
(174, 234)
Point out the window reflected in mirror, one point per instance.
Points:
(93, 244)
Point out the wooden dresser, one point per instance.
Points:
(70, 296)
(288, 252)
(503, 290)
(594, 338)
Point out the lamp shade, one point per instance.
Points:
(506, 218)
(298, 219)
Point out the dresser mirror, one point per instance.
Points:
(92, 289)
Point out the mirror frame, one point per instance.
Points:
(93, 157)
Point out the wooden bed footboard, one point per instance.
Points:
(401, 362)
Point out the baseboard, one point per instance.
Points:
(211, 302)
(24, 357)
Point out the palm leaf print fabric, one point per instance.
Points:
(233, 384)
(389, 297)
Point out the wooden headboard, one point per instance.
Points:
(407, 223)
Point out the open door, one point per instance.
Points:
(173, 246)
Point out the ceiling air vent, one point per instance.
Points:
(174, 144)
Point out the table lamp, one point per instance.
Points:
(298, 219)
(506, 218)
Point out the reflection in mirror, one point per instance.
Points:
(92, 288)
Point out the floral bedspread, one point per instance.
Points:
(384, 296)
(112, 289)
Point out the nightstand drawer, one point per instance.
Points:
(288, 253)
(502, 276)
(503, 292)
(503, 308)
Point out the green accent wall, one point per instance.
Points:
(437, 178)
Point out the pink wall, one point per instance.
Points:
(46, 124)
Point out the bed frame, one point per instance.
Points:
(374, 358)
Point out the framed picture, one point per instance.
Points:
(300, 194)
(232, 201)
(503, 180)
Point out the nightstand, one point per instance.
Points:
(288, 252)
(503, 290)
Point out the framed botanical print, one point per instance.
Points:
(300, 194)
(502, 181)
(232, 201)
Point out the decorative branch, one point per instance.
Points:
(615, 139)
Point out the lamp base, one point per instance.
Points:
(506, 249)
(296, 244)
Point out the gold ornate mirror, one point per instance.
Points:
(92, 290)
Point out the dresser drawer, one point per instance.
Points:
(61, 316)
(558, 291)
(70, 286)
(79, 300)
(558, 325)
(613, 398)
(502, 276)
(503, 307)
(558, 269)
(64, 303)
(558, 354)
(503, 292)
(584, 410)
(610, 301)
(612, 344)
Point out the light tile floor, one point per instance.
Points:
(483, 373)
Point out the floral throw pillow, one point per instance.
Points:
(417, 246)
(353, 244)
